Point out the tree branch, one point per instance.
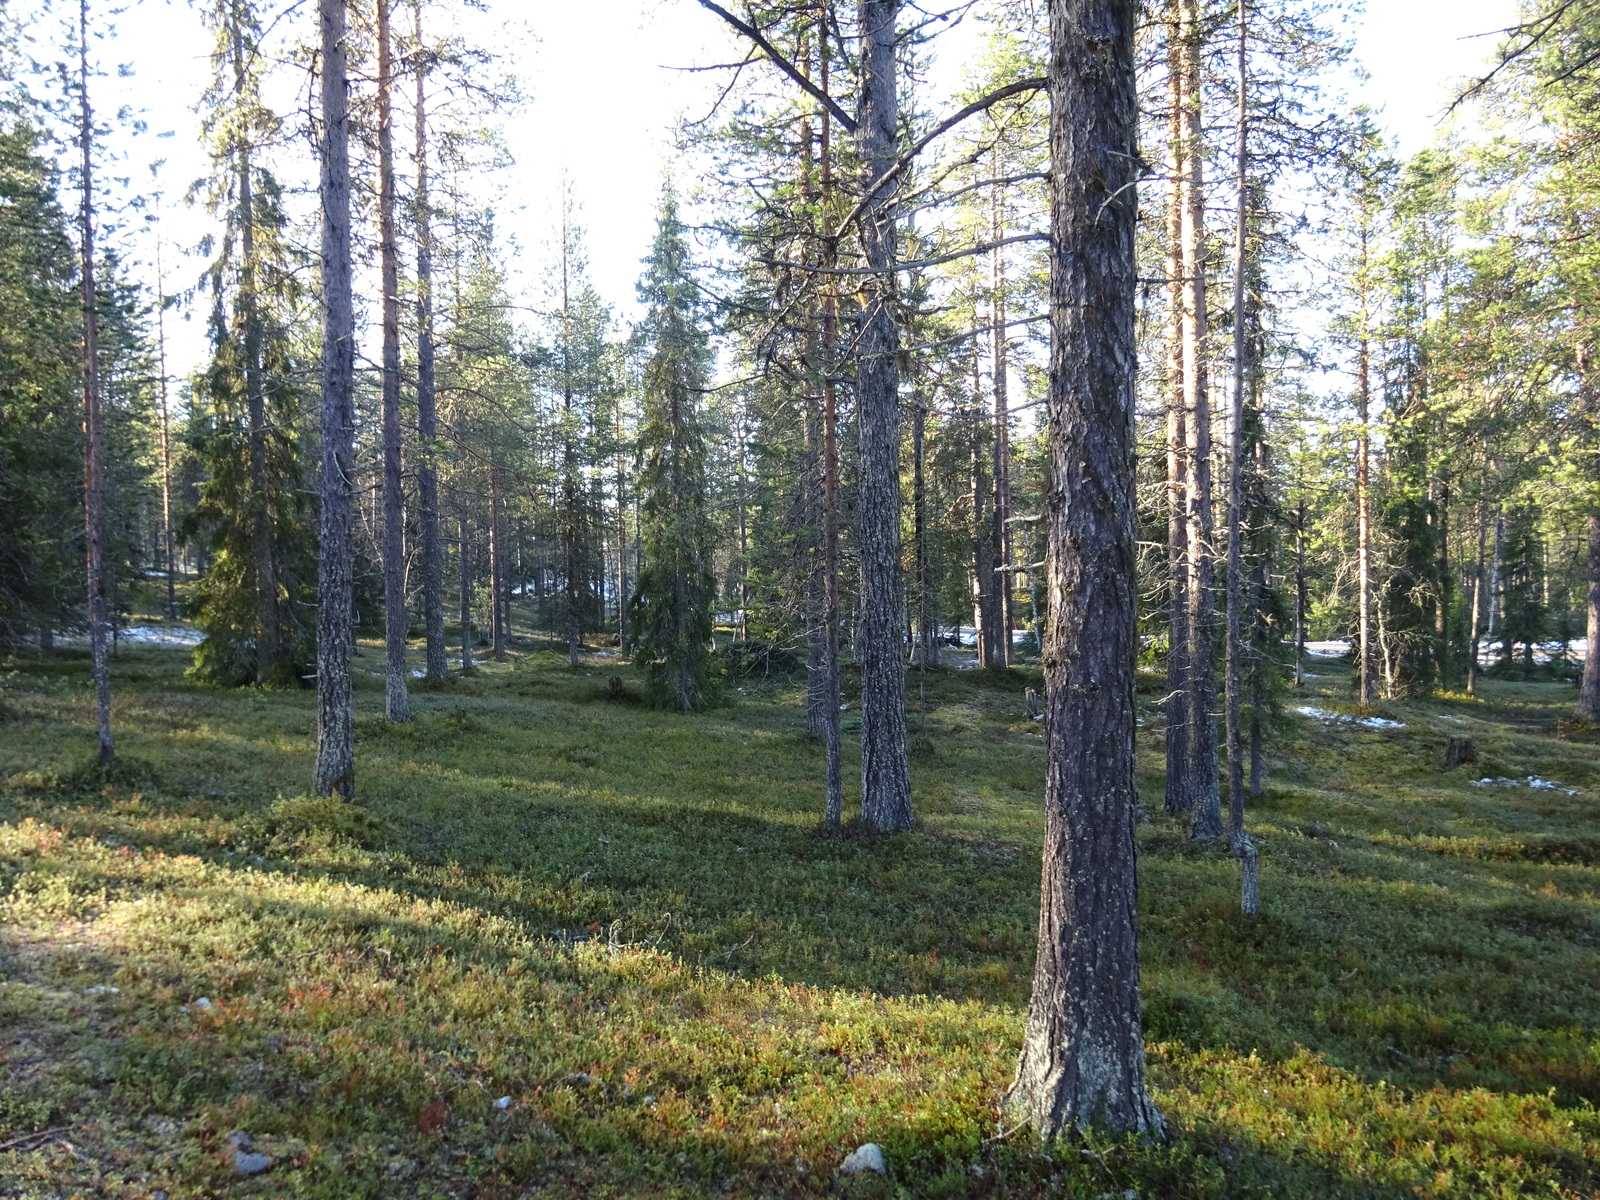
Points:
(783, 64)
(943, 127)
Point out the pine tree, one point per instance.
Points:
(671, 610)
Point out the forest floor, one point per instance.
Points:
(566, 945)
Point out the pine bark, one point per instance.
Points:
(335, 765)
(1179, 792)
(885, 771)
(1365, 647)
(396, 615)
(1206, 798)
(1000, 534)
(437, 654)
(1238, 840)
(94, 471)
(1082, 1059)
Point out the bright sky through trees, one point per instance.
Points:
(602, 99)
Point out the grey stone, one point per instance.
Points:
(250, 1164)
(869, 1157)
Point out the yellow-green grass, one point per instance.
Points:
(628, 922)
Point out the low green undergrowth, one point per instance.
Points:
(569, 945)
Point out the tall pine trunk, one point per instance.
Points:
(1238, 840)
(396, 617)
(1365, 645)
(94, 466)
(1000, 535)
(885, 772)
(1082, 1060)
(1179, 790)
(1588, 706)
(437, 655)
(335, 765)
(168, 540)
(1206, 799)
(465, 533)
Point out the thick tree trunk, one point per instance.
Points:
(94, 469)
(1082, 1059)
(396, 614)
(1206, 810)
(1179, 789)
(335, 766)
(885, 772)
(437, 654)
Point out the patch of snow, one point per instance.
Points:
(149, 635)
(1323, 714)
(1337, 648)
(1532, 781)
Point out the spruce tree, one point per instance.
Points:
(254, 515)
(671, 609)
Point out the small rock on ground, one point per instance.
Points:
(869, 1157)
(250, 1164)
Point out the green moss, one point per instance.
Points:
(630, 923)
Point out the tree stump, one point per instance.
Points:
(1457, 751)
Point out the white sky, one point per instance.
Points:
(601, 103)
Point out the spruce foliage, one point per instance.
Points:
(671, 608)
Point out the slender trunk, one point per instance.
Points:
(497, 555)
(885, 772)
(1474, 633)
(335, 766)
(1000, 549)
(396, 617)
(1441, 614)
(832, 734)
(1206, 813)
(1496, 570)
(622, 546)
(1364, 640)
(1082, 1060)
(169, 549)
(1300, 596)
(983, 576)
(919, 507)
(1179, 788)
(437, 655)
(1588, 708)
(1238, 840)
(94, 469)
(465, 531)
